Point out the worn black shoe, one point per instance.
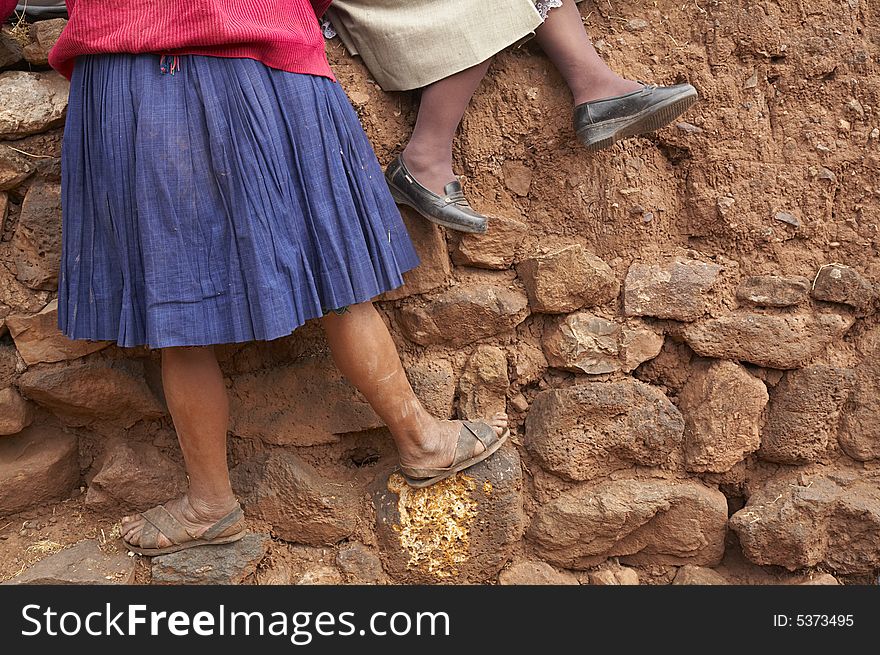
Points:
(602, 122)
(449, 210)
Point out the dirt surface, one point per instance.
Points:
(776, 171)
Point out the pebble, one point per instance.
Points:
(785, 217)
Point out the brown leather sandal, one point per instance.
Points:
(471, 432)
(159, 521)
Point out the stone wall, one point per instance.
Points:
(683, 328)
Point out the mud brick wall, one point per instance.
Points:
(683, 328)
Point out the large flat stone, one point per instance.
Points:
(805, 410)
(31, 102)
(566, 279)
(460, 530)
(639, 521)
(226, 564)
(587, 430)
(38, 338)
(82, 564)
(37, 237)
(134, 477)
(803, 520)
(722, 406)
(37, 465)
(464, 314)
(682, 290)
(296, 500)
(113, 391)
(772, 340)
(302, 403)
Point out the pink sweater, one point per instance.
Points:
(6, 8)
(282, 34)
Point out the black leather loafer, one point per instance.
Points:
(602, 122)
(449, 210)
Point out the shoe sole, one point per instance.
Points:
(176, 548)
(598, 137)
(401, 199)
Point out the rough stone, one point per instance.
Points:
(31, 102)
(15, 412)
(585, 343)
(584, 431)
(802, 520)
(843, 284)
(82, 564)
(722, 406)
(618, 576)
(640, 521)
(15, 168)
(483, 384)
(859, 433)
(226, 564)
(321, 575)
(567, 279)
(771, 340)
(805, 411)
(301, 403)
(134, 477)
(463, 315)
(496, 249)
(38, 338)
(698, 575)
(82, 393)
(535, 573)
(822, 579)
(671, 368)
(8, 364)
(44, 34)
(36, 465)
(10, 49)
(360, 565)
(774, 290)
(681, 289)
(301, 505)
(517, 177)
(460, 530)
(433, 270)
(16, 298)
(433, 382)
(38, 237)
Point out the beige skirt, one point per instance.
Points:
(408, 44)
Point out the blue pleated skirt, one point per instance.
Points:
(228, 202)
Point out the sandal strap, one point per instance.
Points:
(483, 432)
(234, 517)
(164, 522)
(149, 537)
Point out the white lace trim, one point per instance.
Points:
(544, 7)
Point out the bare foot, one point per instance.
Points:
(437, 449)
(196, 519)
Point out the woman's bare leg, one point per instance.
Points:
(428, 155)
(566, 43)
(364, 352)
(199, 406)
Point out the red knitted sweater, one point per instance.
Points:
(282, 34)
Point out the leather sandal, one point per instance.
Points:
(601, 123)
(471, 432)
(449, 210)
(159, 521)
